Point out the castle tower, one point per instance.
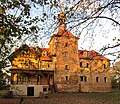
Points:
(64, 48)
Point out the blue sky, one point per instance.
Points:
(95, 36)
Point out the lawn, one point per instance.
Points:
(2, 92)
(69, 98)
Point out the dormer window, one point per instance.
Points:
(44, 53)
(85, 54)
(81, 52)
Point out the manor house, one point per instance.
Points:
(59, 68)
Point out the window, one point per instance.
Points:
(83, 78)
(66, 78)
(97, 79)
(44, 53)
(66, 44)
(85, 54)
(48, 66)
(44, 89)
(65, 54)
(66, 67)
(81, 52)
(87, 65)
(80, 64)
(105, 79)
(104, 65)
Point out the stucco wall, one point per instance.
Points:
(22, 89)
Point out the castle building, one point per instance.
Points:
(59, 68)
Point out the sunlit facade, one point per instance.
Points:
(59, 68)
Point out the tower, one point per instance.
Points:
(64, 48)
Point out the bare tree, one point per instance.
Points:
(37, 20)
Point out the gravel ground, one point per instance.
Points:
(68, 98)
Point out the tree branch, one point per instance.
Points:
(107, 18)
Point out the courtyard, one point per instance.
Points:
(67, 98)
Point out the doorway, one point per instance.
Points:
(30, 91)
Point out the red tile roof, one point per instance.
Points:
(84, 54)
(64, 33)
(46, 58)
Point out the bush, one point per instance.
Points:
(9, 94)
(2, 84)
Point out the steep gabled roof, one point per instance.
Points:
(65, 32)
(84, 54)
(61, 33)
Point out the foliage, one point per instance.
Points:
(9, 94)
(116, 77)
(20, 24)
(2, 84)
(13, 26)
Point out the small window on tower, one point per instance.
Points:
(66, 44)
(66, 67)
(66, 78)
(87, 65)
(104, 65)
(65, 54)
(80, 64)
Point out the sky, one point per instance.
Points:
(94, 37)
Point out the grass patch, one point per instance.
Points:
(2, 92)
(116, 91)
